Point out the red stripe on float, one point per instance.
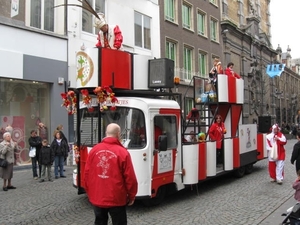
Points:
(202, 161)
(236, 152)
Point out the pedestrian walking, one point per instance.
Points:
(110, 179)
(35, 141)
(7, 151)
(296, 153)
(275, 143)
(46, 159)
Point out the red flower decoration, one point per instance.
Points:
(69, 102)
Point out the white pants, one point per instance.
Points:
(279, 169)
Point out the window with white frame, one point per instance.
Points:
(202, 57)
(187, 62)
(214, 30)
(42, 14)
(171, 49)
(186, 16)
(215, 2)
(170, 13)
(201, 23)
(142, 30)
(88, 18)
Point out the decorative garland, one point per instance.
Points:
(69, 101)
(104, 95)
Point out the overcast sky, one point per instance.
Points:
(285, 19)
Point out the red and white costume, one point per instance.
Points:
(112, 38)
(276, 167)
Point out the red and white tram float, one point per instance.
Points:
(124, 88)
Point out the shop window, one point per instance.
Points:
(23, 105)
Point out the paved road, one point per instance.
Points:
(226, 200)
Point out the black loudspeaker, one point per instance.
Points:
(161, 73)
(264, 124)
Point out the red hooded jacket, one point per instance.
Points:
(109, 175)
(216, 133)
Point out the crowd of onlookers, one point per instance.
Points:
(43, 154)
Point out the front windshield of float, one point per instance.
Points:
(131, 121)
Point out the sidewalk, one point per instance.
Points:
(275, 217)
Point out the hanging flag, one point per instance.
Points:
(275, 69)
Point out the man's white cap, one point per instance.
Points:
(100, 22)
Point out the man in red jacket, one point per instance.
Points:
(110, 179)
(229, 71)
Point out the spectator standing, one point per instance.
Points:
(276, 166)
(46, 159)
(7, 151)
(60, 128)
(35, 141)
(110, 179)
(60, 148)
(296, 153)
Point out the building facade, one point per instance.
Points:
(33, 55)
(190, 35)
(247, 43)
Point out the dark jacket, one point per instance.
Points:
(296, 155)
(60, 149)
(37, 143)
(46, 156)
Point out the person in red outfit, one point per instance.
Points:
(108, 36)
(229, 71)
(110, 180)
(278, 140)
(216, 133)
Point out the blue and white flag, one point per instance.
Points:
(275, 69)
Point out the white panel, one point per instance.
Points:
(248, 137)
(33, 43)
(87, 68)
(264, 145)
(240, 91)
(228, 154)
(227, 124)
(190, 163)
(222, 88)
(140, 73)
(211, 159)
(11, 64)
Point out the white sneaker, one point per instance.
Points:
(279, 182)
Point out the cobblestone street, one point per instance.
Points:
(225, 200)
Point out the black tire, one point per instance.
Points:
(160, 196)
(249, 168)
(240, 172)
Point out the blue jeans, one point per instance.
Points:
(59, 162)
(34, 167)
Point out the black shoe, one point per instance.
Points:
(11, 187)
(41, 181)
(4, 188)
(63, 176)
(50, 180)
(56, 177)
